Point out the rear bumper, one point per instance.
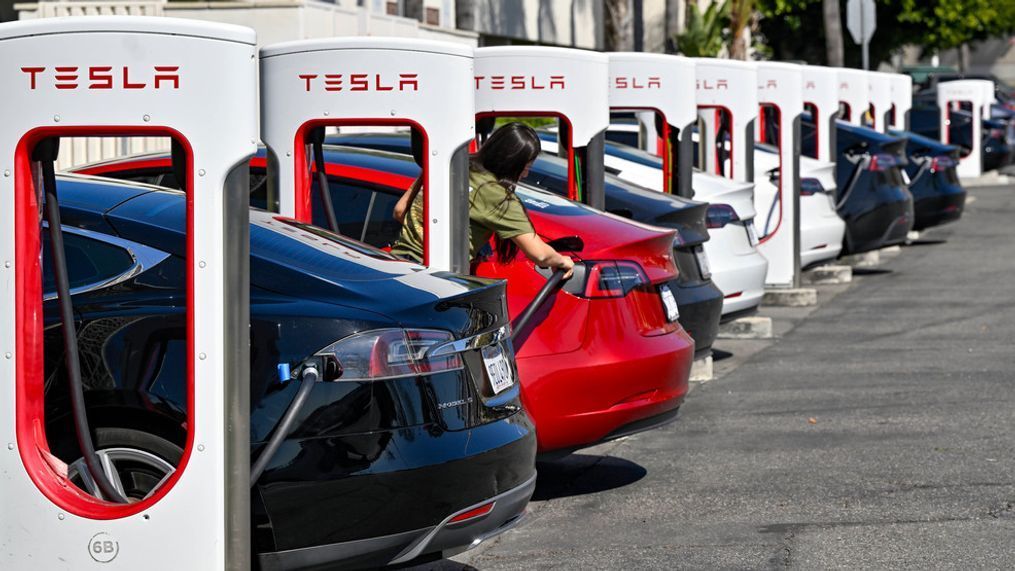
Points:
(939, 208)
(444, 539)
(700, 305)
(741, 280)
(884, 225)
(577, 399)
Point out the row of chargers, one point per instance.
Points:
(208, 88)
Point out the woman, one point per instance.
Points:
(494, 209)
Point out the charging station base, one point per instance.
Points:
(702, 370)
(828, 275)
(755, 327)
(791, 297)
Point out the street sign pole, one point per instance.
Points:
(866, 40)
(861, 21)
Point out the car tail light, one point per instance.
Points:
(473, 513)
(385, 354)
(719, 215)
(882, 162)
(995, 133)
(810, 187)
(942, 162)
(612, 279)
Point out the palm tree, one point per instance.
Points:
(833, 32)
(704, 33)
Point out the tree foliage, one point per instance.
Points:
(794, 29)
(705, 33)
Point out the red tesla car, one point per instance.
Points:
(605, 357)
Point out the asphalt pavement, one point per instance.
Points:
(876, 431)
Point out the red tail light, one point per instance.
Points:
(613, 279)
(994, 133)
(719, 215)
(942, 162)
(385, 354)
(810, 187)
(473, 513)
(882, 162)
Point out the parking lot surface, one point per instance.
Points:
(876, 431)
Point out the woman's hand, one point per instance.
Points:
(543, 255)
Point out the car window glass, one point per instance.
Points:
(89, 261)
(146, 176)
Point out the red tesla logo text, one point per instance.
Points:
(103, 77)
(361, 82)
(637, 83)
(810, 85)
(520, 82)
(769, 84)
(705, 84)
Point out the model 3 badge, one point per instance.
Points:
(454, 403)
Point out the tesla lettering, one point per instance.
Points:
(769, 84)
(102, 77)
(652, 82)
(520, 82)
(810, 85)
(705, 84)
(361, 82)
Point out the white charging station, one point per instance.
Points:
(125, 76)
(950, 96)
(989, 97)
(568, 84)
(663, 85)
(902, 101)
(425, 85)
(879, 88)
(780, 90)
(821, 98)
(727, 87)
(854, 97)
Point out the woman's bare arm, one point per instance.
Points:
(542, 254)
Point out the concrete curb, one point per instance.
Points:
(831, 274)
(791, 297)
(747, 328)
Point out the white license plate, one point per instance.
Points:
(498, 369)
(670, 303)
(752, 234)
(703, 267)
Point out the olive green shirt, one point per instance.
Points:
(492, 210)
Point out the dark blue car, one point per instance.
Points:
(938, 196)
(871, 195)
(996, 134)
(401, 451)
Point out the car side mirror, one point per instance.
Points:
(567, 244)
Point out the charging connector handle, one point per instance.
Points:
(45, 153)
(308, 377)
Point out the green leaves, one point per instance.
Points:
(706, 33)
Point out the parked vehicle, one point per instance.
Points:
(997, 135)
(821, 229)
(938, 196)
(616, 316)
(871, 195)
(738, 269)
(698, 298)
(396, 455)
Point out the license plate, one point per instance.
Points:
(703, 267)
(752, 234)
(498, 369)
(669, 302)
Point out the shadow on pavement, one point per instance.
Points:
(580, 474)
(926, 242)
(870, 271)
(719, 354)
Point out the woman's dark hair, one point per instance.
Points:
(505, 154)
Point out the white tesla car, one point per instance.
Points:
(738, 269)
(821, 229)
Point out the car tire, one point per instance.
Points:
(141, 459)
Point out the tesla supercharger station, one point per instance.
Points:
(988, 97)
(902, 101)
(821, 98)
(664, 86)
(951, 95)
(727, 100)
(420, 84)
(567, 84)
(879, 88)
(122, 76)
(854, 98)
(780, 91)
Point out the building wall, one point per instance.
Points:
(576, 23)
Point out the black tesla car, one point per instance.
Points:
(938, 196)
(996, 136)
(403, 451)
(871, 195)
(698, 298)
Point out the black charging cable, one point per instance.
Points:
(316, 139)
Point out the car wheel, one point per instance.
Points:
(135, 462)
